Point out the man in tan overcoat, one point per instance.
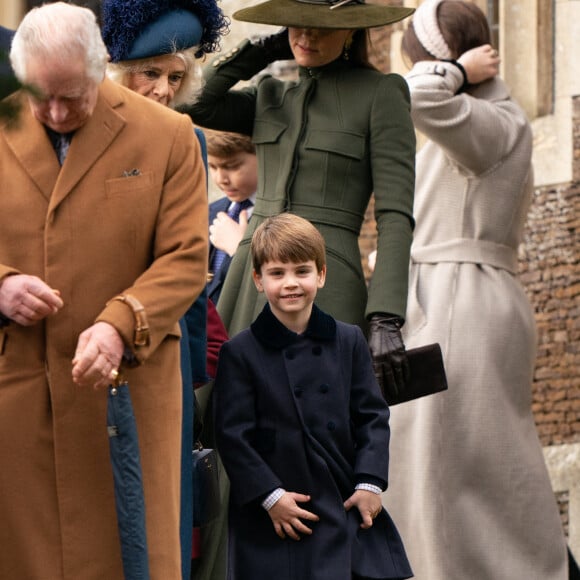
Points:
(123, 217)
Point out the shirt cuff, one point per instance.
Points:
(369, 487)
(272, 498)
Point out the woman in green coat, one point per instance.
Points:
(325, 143)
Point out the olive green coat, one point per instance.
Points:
(325, 143)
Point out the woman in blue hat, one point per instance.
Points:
(154, 46)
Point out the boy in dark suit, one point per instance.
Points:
(233, 167)
(302, 428)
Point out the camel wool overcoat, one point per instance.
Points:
(126, 213)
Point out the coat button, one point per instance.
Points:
(323, 388)
(298, 392)
(317, 350)
(331, 426)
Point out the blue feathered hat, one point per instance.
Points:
(135, 29)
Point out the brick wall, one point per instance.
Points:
(550, 272)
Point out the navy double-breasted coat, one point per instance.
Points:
(304, 412)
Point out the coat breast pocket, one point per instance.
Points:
(132, 185)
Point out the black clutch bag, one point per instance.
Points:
(206, 486)
(427, 375)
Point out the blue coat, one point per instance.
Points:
(7, 80)
(214, 287)
(193, 349)
(304, 413)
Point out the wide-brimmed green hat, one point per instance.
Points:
(353, 14)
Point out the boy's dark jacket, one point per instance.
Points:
(214, 286)
(304, 413)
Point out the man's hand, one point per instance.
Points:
(388, 351)
(286, 514)
(225, 233)
(368, 503)
(27, 299)
(480, 63)
(98, 356)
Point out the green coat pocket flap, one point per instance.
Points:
(349, 145)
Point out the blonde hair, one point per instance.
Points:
(287, 238)
(191, 84)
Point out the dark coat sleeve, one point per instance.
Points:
(236, 423)
(369, 414)
(223, 109)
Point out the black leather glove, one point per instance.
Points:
(388, 351)
(277, 46)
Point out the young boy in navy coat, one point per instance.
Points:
(302, 429)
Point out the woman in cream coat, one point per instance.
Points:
(470, 492)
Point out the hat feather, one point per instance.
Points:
(124, 20)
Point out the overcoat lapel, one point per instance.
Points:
(33, 149)
(94, 138)
(35, 152)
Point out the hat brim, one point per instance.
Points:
(296, 14)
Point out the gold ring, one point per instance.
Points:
(114, 374)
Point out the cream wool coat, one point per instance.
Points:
(469, 489)
(92, 233)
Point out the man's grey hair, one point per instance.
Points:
(59, 31)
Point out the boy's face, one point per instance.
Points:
(290, 288)
(236, 176)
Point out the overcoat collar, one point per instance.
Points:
(273, 334)
(318, 71)
(31, 145)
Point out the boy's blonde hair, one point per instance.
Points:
(287, 238)
(225, 144)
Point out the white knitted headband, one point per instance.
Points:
(427, 30)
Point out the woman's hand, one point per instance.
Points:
(480, 63)
(276, 45)
(286, 516)
(369, 506)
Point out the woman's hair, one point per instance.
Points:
(359, 48)
(191, 84)
(63, 31)
(227, 144)
(287, 238)
(463, 26)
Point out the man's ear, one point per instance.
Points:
(257, 281)
(322, 276)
